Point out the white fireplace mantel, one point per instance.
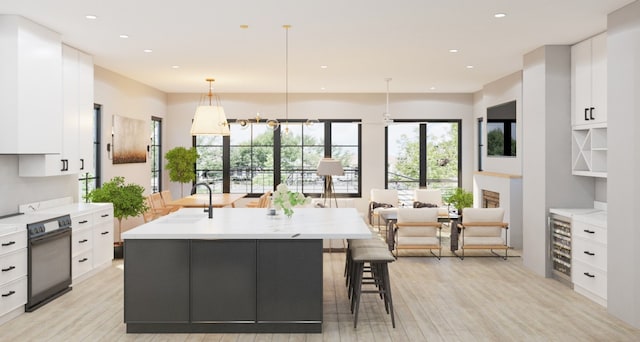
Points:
(510, 189)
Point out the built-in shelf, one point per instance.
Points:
(589, 150)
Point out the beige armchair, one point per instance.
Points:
(483, 228)
(382, 200)
(431, 196)
(418, 228)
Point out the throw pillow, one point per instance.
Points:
(418, 204)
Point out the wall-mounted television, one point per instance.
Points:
(501, 130)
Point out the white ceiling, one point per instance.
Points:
(361, 41)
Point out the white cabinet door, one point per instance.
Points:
(77, 135)
(31, 87)
(599, 79)
(581, 81)
(103, 244)
(589, 81)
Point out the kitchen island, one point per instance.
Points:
(241, 271)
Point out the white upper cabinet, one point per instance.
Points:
(77, 134)
(589, 81)
(31, 87)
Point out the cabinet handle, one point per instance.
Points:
(83, 260)
(8, 293)
(104, 215)
(83, 241)
(62, 161)
(83, 221)
(586, 111)
(589, 275)
(591, 113)
(589, 253)
(589, 231)
(8, 269)
(104, 233)
(8, 243)
(81, 164)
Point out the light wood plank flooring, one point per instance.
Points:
(477, 299)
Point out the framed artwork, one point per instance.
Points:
(130, 140)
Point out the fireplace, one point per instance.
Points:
(490, 199)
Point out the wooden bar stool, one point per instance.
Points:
(378, 259)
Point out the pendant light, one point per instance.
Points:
(210, 119)
(386, 116)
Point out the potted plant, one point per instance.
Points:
(180, 163)
(127, 199)
(460, 199)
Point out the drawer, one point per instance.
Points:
(82, 221)
(102, 244)
(13, 242)
(590, 232)
(81, 264)
(590, 278)
(81, 241)
(14, 295)
(590, 252)
(13, 266)
(103, 215)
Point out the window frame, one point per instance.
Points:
(423, 149)
(155, 147)
(277, 156)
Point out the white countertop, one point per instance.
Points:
(598, 218)
(254, 223)
(75, 208)
(571, 212)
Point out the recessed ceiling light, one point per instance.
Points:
(453, 50)
(323, 67)
(469, 66)
(323, 88)
(147, 50)
(91, 16)
(124, 36)
(499, 15)
(432, 88)
(175, 67)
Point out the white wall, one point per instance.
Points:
(547, 181)
(16, 190)
(503, 90)
(123, 96)
(623, 186)
(367, 107)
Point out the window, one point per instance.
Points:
(155, 154)
(480, 135)
(91, 180)
(255, 158)
(501, 130)
(422, 155)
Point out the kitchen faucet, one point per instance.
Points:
(210, 210)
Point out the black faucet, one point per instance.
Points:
(210, 210)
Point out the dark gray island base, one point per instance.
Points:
(223, 286)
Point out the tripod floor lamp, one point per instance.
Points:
(329, 167)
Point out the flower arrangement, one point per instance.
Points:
(286, 200)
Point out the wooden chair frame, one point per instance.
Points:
(419, 224)
(503, 225)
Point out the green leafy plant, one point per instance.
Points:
(286, 200)
(460, 199)
(128, 199)
(180, 163)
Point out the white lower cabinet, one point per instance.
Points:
(13, 273)
(92, 242)
(589, 258)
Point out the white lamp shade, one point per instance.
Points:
(330, 167)
(210, 120)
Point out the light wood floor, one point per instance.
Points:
(478, 299)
